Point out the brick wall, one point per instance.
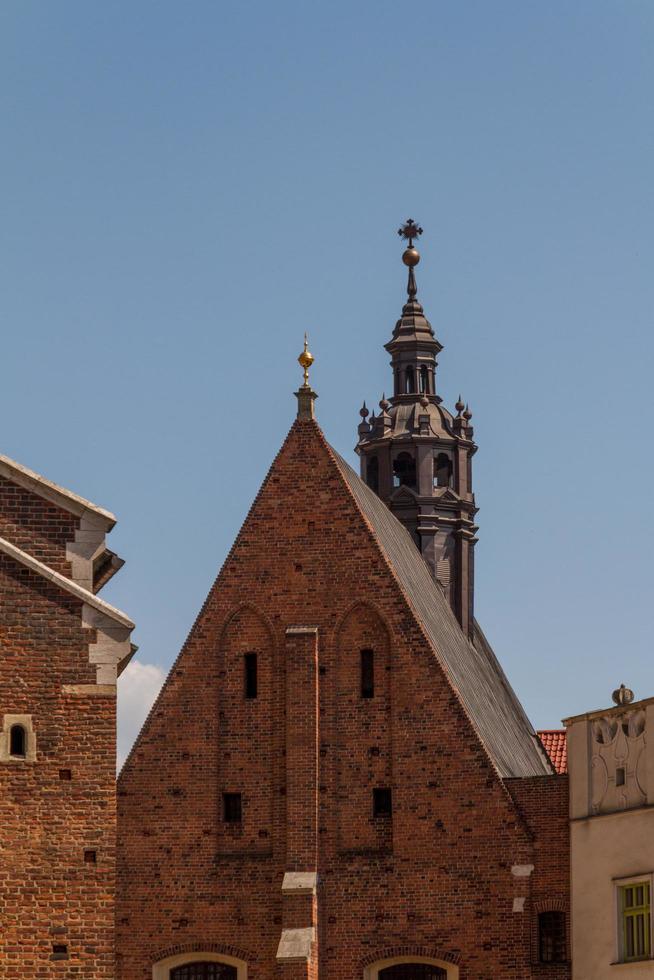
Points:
(36, 526)
(62, 804)
(543, 800)
(435, 879)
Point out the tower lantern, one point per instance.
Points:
(418, 456)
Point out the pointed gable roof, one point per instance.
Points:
(473, 670)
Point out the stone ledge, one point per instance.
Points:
(300, 882)
(295, 945)
(94, 690)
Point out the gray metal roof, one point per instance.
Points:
(473, 670)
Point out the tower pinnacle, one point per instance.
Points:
(417, 456)
(411, 255)
(305, 395)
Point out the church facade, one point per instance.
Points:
(337, 780)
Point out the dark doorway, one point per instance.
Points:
(413, 971)
(204, 971)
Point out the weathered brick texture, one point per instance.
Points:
(434, 879)
(57, 807)
(49, 894)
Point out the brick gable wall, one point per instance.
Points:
(49, 894)
(36, 526)
(434, 880)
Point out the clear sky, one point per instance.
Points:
(187, 187)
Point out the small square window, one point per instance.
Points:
(232, 809)
(382, 802)
(619, 776)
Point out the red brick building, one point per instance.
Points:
(61, 649)
(337, 780)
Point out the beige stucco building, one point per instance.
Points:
(611, 772)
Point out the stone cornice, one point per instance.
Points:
(64, 583)
(66, 499)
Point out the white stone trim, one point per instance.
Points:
(8, 722)
(295, 945)
(161, 970)
(372, 972)
(65, 583)
(522, 870)
(112, 647)
(57, 495)
(300, 882)
(89, 542)
(519, 904)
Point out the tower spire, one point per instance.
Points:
(417, 456)
(411, 256)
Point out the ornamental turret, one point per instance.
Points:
(418, 456)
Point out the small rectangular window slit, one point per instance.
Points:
(250, 663)
(382, 802)
(232, 808)
(65, 774)
(367, 673)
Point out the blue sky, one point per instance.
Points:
(188, 187)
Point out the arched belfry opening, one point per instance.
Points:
(404, 471)
(409, 381)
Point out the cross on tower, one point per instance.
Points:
(409, 231)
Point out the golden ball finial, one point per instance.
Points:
(411, 256)
(305, 360)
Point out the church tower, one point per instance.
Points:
(417, 456)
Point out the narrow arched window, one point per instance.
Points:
(372, 473)
(398, 389)
(442, 470)
(17, 741)
(409, 381)
(404, 471)
(424, 379)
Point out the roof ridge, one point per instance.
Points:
(28, 561)
(51, 491)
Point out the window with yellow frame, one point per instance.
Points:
(635, 921)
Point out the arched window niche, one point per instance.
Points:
(372, 473)
(424, 380)
(17, 739)
(411, 968)
(404, 471)
(409, 381)
(442, 470)
(200, 966)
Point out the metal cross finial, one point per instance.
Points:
(409, 231)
